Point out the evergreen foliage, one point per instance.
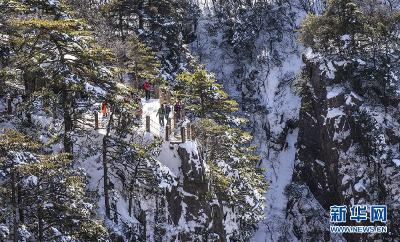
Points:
(137, 59)
(205, 97)
(46, 194)
(60, 68)
(234, 175)
(364, 35)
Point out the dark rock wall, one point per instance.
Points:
(318, 166)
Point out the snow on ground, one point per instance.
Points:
(283, 105)
(170, 158)
(3, 107)
(275, 76)
(280, 168)
(334, 112)
(88, 154)
(333, 91)
(150, 108)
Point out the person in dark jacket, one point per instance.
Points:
(161, 115)
(167, 110)
(147, 87)
(178, 109)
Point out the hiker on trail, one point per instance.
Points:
(167, 110)
(161, 115)
(104, 109)
(178, 109)
(146, 87)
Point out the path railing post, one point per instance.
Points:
(148, 124)
(167, 131)
(193, 131)
(9, 104)
(157, 92)
(175, 122)
(96, 120)
(168, 96)
(189, 137)
(75, 119)
(183, 134)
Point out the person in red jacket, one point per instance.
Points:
(146, 87)
(104, 108)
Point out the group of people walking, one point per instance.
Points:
(165, 110)
(146, 88)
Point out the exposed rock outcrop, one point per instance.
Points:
(189, 205)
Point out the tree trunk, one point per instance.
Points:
(167, 130)
(130, 205)
(20, 210)
(120, 24)
(148, 123)
(96, 120)
(202, 111)
(183, 134)
(105, 179)
(68, 123)
(14, 206)
(40, 219)
(9, 105)
(140, 14)
(105, 168)
(136, 76)
(54, 110)
(29, 85)
(188, 129)
(66, 105)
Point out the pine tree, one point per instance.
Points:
(124, 16)
(57, 52)
(343, 17)
(234, 176)
(138, 60)
(15, 148)
(48, 197)
(205, 97)
(55, 193)
(62, 63)
(363, 34)
(165, 25)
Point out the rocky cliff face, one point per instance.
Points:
(323, 141)
(316, 148)
(347, 152)
(187, 201)
(188, 207)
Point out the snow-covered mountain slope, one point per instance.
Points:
(263, 85)
(310, 139)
